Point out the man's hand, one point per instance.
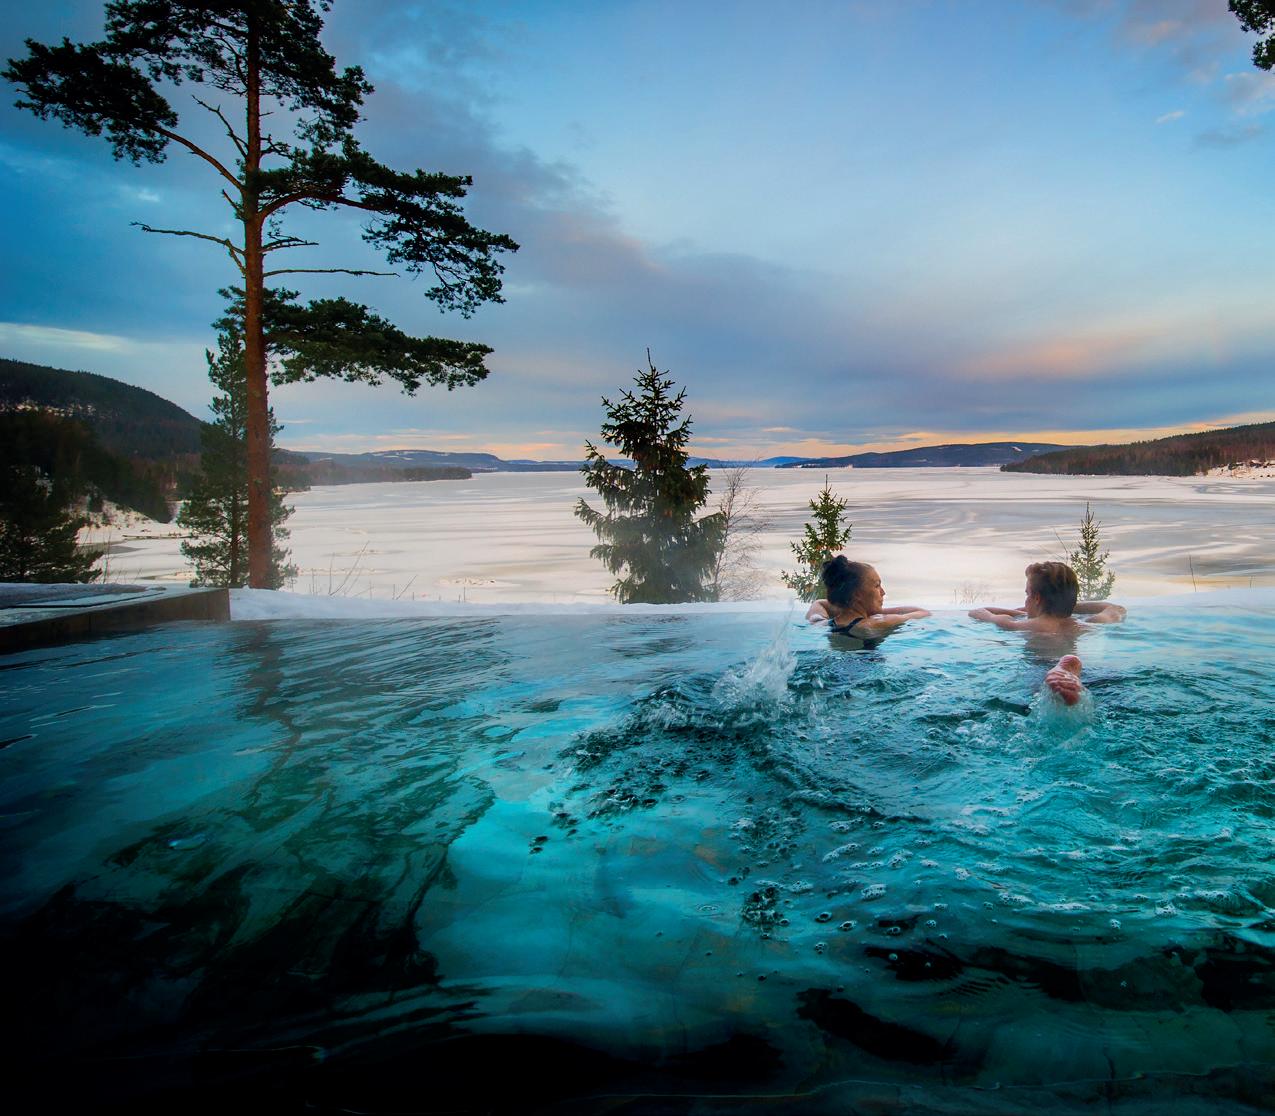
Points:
(1064, 679)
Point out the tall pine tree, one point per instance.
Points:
(216, 511)
(822, 538)
(288, 115)
(648, 534)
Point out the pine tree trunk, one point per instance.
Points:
(258, 423)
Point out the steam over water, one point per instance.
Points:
(706, 855)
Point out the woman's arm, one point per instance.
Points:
(883, 623)
(910, 612)
(818, 611)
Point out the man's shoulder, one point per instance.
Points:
(1051, 625)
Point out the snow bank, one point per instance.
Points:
(264, 604)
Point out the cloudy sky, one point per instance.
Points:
(840, 225)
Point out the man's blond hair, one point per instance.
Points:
(1056, 585)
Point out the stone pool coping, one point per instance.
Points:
(44, 615)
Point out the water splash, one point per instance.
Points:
(761, 684)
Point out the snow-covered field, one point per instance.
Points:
(940, 537)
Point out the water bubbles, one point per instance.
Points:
(1114, 924)
(820, 947)
(823, 916)
(962, 873)
(873, 891)
(931, 924)
(849, 924)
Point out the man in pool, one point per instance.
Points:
(1048, 616)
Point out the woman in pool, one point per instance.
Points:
(854, 605)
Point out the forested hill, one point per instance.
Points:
(969, 455)
(129, 421)
(1180, 455)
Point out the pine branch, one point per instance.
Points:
(236, 253)
(195, 149)
(326, 271)
(234, 136)
(288, 242)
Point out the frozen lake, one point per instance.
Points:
(939, 536)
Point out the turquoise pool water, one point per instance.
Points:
(647, 863)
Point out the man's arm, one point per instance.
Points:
(1003, 618)
(1100, 612)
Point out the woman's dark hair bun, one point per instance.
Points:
(835, 570)
(843, 579)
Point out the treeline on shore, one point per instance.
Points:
(66, 452)
(1179, 455)
(295, 472)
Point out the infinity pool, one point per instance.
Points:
(643, 863)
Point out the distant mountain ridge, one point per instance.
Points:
(143, 426)
(415, 459)
(969, 455)
(490, 463)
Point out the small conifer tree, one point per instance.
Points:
(216, 512)
(1089, 561)
(824, 536)
(38, 531)
(648, 534)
